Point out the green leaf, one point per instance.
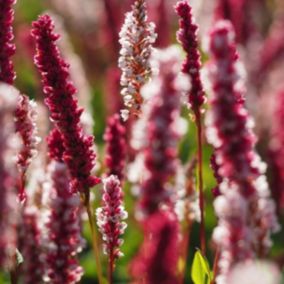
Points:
(200, 272)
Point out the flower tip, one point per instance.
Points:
(44, 24)
(182, 8)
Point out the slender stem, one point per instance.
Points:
(14, 276)
(110, 267)
(94, 241)
(200, 182)
(190, 188)
(215, 265)
(14, 272)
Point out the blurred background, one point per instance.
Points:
(89, 43)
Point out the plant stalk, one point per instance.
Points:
(14, 277)
(215, 265)
(200, 182)
(94, 240)
(110, 268)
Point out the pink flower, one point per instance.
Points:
(246, 212)
(55, 145)
(239, 12)
(8, 177)
(115, 147)
(229, 125)
(136, 39)
(64, 239)
(192, 64)
(25, 117)
(31, 246)
(110, 218)
(7, 48)
(276, 151)
(64, 111)
(161, 138)
(157, 260)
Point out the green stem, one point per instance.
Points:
(215, 265)
(94, 241)
(200, 182)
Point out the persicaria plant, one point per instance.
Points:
(141, 142)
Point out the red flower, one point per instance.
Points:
(276, 151)
(7, 48)
(161, 138)
(64, 239)
(78, 155)
(25, 117)
(8, 176)
(243, 205)
(157, 260)
(31, 246)
(110, 217)
(191, 66)
(115, 147)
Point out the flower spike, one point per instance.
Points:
(79, 155)
(136, 38)
(7, 48)
(110, 220)
(245, 210)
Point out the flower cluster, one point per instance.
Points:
(157, 261)
(8, 175)
(110, 217)
(192, 64)
(7, 48)
(55, 145)
(149, 100)
(115, 147)
(239, 13)
(64, 111)
(25, 120)
(31, 246)
(26, 126)
(277, 151)
(136, 39)
(160, 149)
(246, 213)
(64, 239)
